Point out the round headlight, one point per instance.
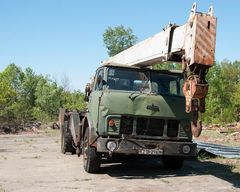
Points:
(186, 149)
(111, 145)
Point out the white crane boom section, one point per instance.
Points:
(193, 42)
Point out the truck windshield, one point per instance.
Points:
(167, 84)
(128, 80)
(144, 81)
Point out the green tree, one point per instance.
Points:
(25, 96)
(236, 101)
(118, 39)
(10, 90)
(48, 97)
(222, 100)
(28, 98)
(74, 100)
(168, 66)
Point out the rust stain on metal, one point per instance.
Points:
(205, 40)
(196, 126)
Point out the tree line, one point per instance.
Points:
(223, 99)
(26, 96)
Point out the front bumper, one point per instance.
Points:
(147, 147)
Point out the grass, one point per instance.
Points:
(74, 188)
(44, 150)
(2, 189)
(37, 157)
(165, 181)
(34, 157)
(233, 165)
(214, 136)
(204, 156)
(5, 158)
(86, 179)
(28, 140)
(51, 132)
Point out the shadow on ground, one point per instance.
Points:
(153, 168)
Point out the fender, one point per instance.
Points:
(86, 123)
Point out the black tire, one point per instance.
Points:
(91, 159)
(66, 140)
(172, 162)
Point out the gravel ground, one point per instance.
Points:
(33, 162)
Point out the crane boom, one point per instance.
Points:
(192, 44)
(195, 41)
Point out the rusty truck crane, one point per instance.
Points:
(193, 44)
(127, 112)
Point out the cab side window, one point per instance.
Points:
(99, 80)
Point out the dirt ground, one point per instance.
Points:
(33, 162)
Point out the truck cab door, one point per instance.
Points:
(95, 97)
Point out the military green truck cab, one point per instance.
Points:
(134, 111)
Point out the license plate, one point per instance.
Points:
(150, 151)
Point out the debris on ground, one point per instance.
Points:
(220, 140)
(228, 134)
(218, 150)
(31, 127)
(228, 128)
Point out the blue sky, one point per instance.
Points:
(64, 37)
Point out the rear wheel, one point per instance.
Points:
(66, 140)
(172, 162)
(91, 159)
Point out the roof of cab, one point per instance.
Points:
(134, 67)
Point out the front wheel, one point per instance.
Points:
(172, 162)
(91, 159)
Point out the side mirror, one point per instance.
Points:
(87, 92)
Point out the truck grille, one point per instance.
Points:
(172, 128)
(149, 126)
(182, 132)
(126, 125)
